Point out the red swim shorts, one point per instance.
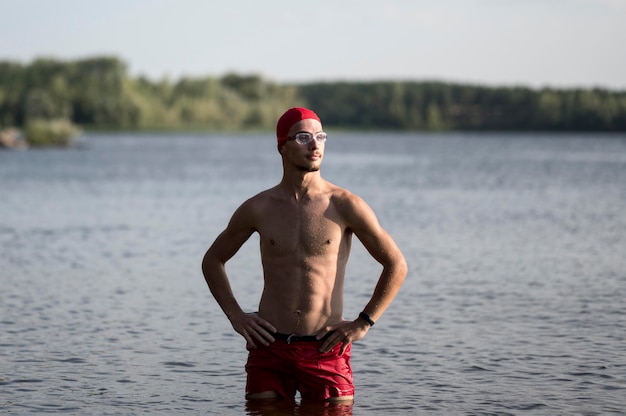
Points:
(299, 366)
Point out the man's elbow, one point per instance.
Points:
(396, 268)
(209, 262)
(402, 268)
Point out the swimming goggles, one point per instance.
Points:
(306, 138)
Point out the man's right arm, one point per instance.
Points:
(238, 231)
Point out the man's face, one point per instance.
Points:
(307, 157)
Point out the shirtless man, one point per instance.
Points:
(298, 339)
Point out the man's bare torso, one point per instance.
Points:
(305, 245)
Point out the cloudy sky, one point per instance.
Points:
(536, 43)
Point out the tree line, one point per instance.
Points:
(98, 93)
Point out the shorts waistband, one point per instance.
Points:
(289, 338)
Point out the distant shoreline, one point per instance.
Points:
(98, 93)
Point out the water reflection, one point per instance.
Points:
(275, 407)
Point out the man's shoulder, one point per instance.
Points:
(343, 197)
(253, 209)
(339, 192)
(267, 194)
(262, 198)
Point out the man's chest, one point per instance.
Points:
(309, 229)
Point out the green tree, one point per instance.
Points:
(548, 112)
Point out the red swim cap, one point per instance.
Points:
(291, 117)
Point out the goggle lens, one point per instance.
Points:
(306, 138)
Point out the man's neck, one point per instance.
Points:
(303, 184)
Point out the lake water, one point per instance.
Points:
(514, 302)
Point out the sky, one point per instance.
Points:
(532, 43)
